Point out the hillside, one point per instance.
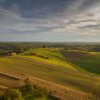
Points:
(57, 91)
(77, 70)
(89, 61)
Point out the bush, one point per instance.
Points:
(3, 53)
(13, 94)
(28, 88)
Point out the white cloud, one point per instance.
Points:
(72, 23)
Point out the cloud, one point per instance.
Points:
(57, 20)
(5, 14)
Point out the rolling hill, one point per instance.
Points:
(78, 71)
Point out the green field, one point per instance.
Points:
(77, 70)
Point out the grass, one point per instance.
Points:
(32, 96)
(50, 72)
(47, 55)
(68, 68)
(42, 88)
(89, 61)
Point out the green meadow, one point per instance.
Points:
(75, 69)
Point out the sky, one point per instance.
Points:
(50, 20)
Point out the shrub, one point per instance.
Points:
(28, 88)
(13, 94)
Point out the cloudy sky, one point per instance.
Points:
(50, 20)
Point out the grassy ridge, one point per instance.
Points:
(49, 70)
(68, 68)
(47, 55)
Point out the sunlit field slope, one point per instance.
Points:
(48, 55)
(56, 65)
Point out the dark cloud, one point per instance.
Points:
(89, 3)
(59, 19)
(35, 8)
(46, 8)
(90, 27)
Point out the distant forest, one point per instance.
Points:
(19, 47)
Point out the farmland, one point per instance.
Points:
(66, 72)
